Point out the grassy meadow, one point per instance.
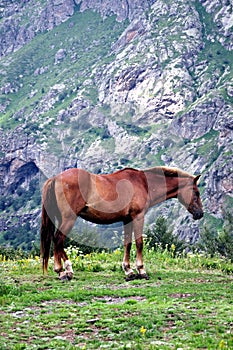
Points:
(186, 304)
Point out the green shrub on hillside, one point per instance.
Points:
(160, 237)
(10, 253)
(220, 242)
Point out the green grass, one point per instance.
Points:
(184, 305)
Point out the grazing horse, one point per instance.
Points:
(125, 196)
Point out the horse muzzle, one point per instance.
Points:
(198, 215)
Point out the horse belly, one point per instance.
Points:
(100, 217)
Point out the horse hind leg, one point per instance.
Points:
(59, 252)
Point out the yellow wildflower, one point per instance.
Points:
(173, 247)
(222, 344)
(143, 331)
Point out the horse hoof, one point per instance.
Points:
(143, 276)
(131, 277)
(69, 276)
(63, 276)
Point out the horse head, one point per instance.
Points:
(189, 196)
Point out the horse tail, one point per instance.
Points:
(48, 215)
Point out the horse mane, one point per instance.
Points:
(169, 171)
(159, 170)
(125, 169)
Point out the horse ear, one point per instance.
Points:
(197, 177)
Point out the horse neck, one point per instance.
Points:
(161, 187)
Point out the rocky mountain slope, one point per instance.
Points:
(103, 85)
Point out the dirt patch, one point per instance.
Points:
(62, 302)
(118, 300)
(181, 295)
(58, 301)
(27, 312)
(128, 285)
(69, 335)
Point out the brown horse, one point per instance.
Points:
(124, 196)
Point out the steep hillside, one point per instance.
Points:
(113, 84)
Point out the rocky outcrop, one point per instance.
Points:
(18, 160)
(157, 83)
(23, 20)
(221, 12)
(123, 9)
(213, 113)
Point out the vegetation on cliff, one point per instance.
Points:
(142, 85)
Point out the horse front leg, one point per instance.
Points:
(129, 273)
(138, 230)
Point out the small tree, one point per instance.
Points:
(225, 245)
(159, 235)
(212, 241)
(208, 241)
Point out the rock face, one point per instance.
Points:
(123, 9)
(24, 19)
(221, 12)
(103, 85)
